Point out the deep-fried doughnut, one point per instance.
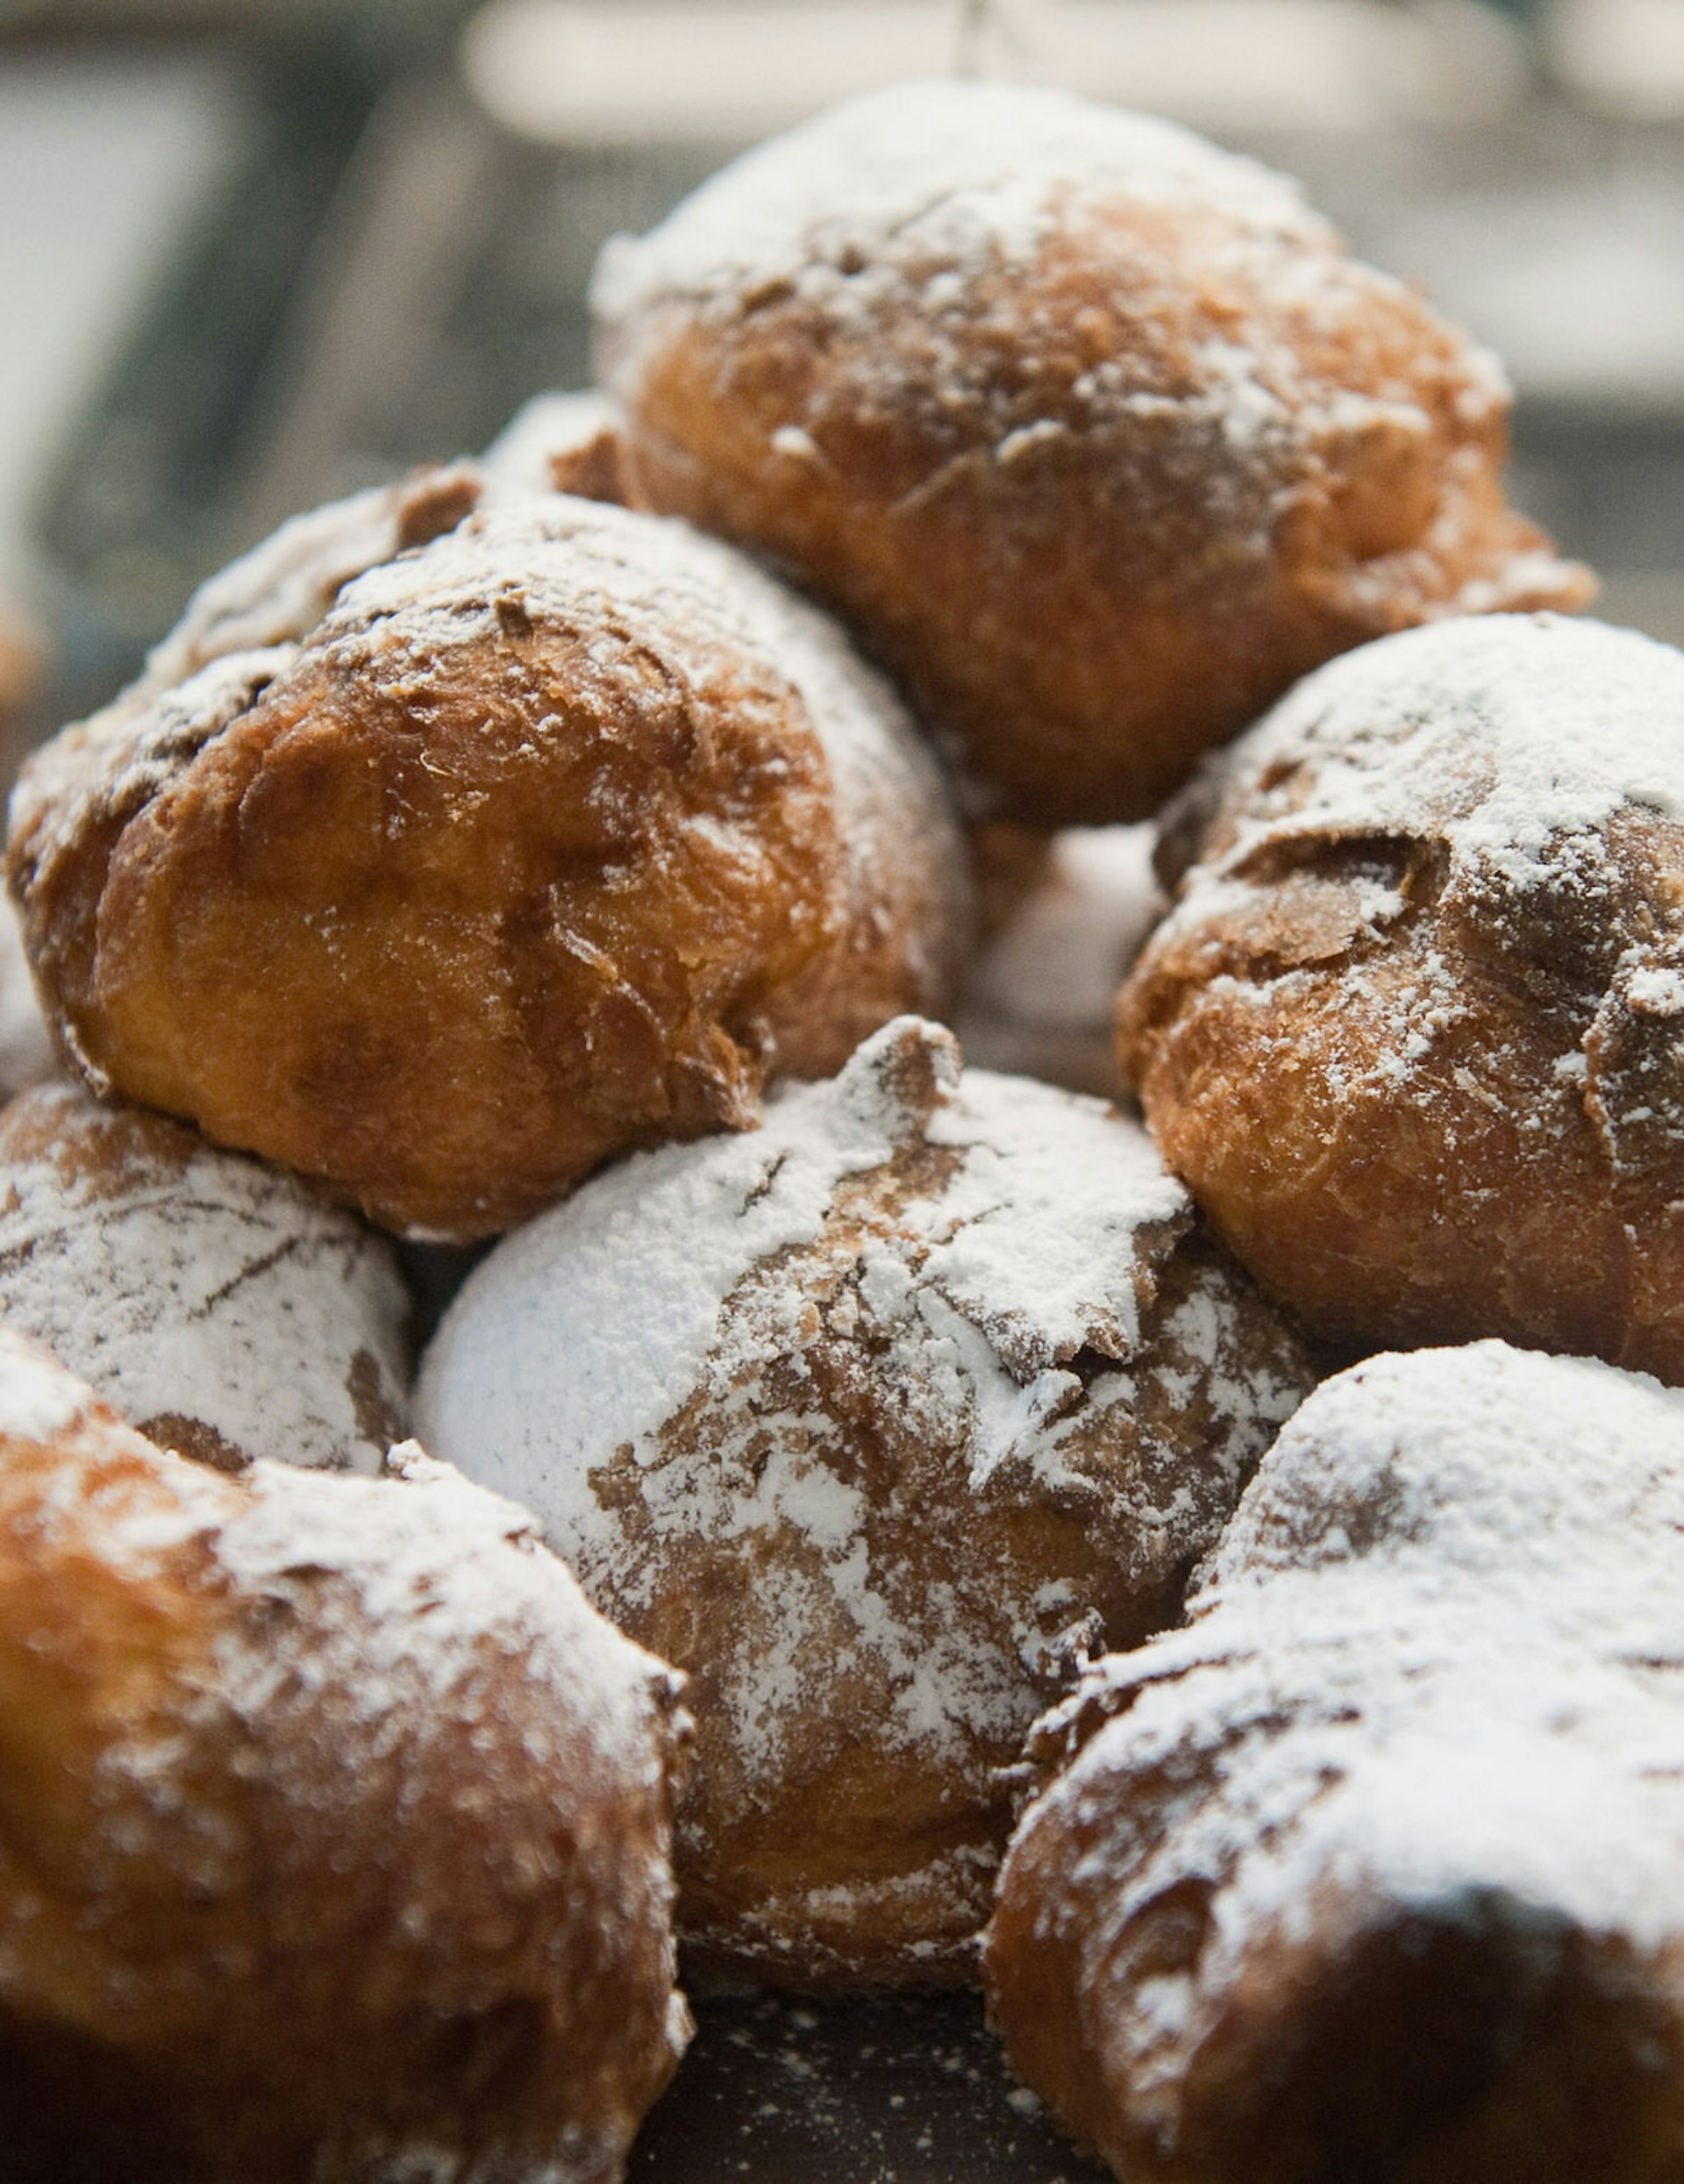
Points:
(866, 1420)
(336, 1826)
(1411, 1034)
(1377, 1870)
(551, 835)
(1094, 432)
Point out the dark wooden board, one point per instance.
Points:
(890, 2090)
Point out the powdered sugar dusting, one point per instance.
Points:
(1437, 1662)
(784, 1401)
(1498, 787)
(435, 1566)
(196, 1289)
(1057, 1184)
(1028, 1251)
(545, 1362)
(37, 1398)
(965, 175)
(1040, 995)
(549, 426)
(1500, 733)
(278, 592)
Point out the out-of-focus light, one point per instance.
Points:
(570, 72)
(1626, 56)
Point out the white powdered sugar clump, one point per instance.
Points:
(1438, 1662)
(198, 1290)
(1054, 1198)
(971, 175)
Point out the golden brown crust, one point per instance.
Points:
(558, 834)
(1418, 1065)
(317, 1858)
(1098, 495)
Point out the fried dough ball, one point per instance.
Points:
(867, 1420)
(218, 1305)
(1094, 432)
(564, 443)
(551, 835)
(1412, 1034)
(1376, 1869)
(1040, 997)
(337, 1826)
(26, 1055)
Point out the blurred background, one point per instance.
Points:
(255, 252)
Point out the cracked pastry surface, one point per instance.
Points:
(337, 1824)
(1096, 433)
(220, 1307)
(1412, 1033)
(866, 1419)
(1376, 1869)
(553, 831)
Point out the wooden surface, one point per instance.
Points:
(894, 2090)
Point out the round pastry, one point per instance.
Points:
(551, 836)
(1377, 1870)
(26, 1055)
(869, 1421)
(337, 1826)
(1094, 432)
(1411, 1034)
(563, 443)
(23, 675)
(1041, 994)
(217, 1304)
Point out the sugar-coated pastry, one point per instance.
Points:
(1376, 1869)
(218, 1305)
(551, 835)
(1094, 432)
(563, 443)
(26, 1055)
(867, 1420)
(1411, 1033)
(337, 1826)
(23, 669)
(1041, 994)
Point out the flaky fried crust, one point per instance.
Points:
(1411, 1033)
(336, 1826)
(869, 1418)
(1097, 435)
(551, 835)
(1377, 1869)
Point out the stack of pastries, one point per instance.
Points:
(572, 855)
